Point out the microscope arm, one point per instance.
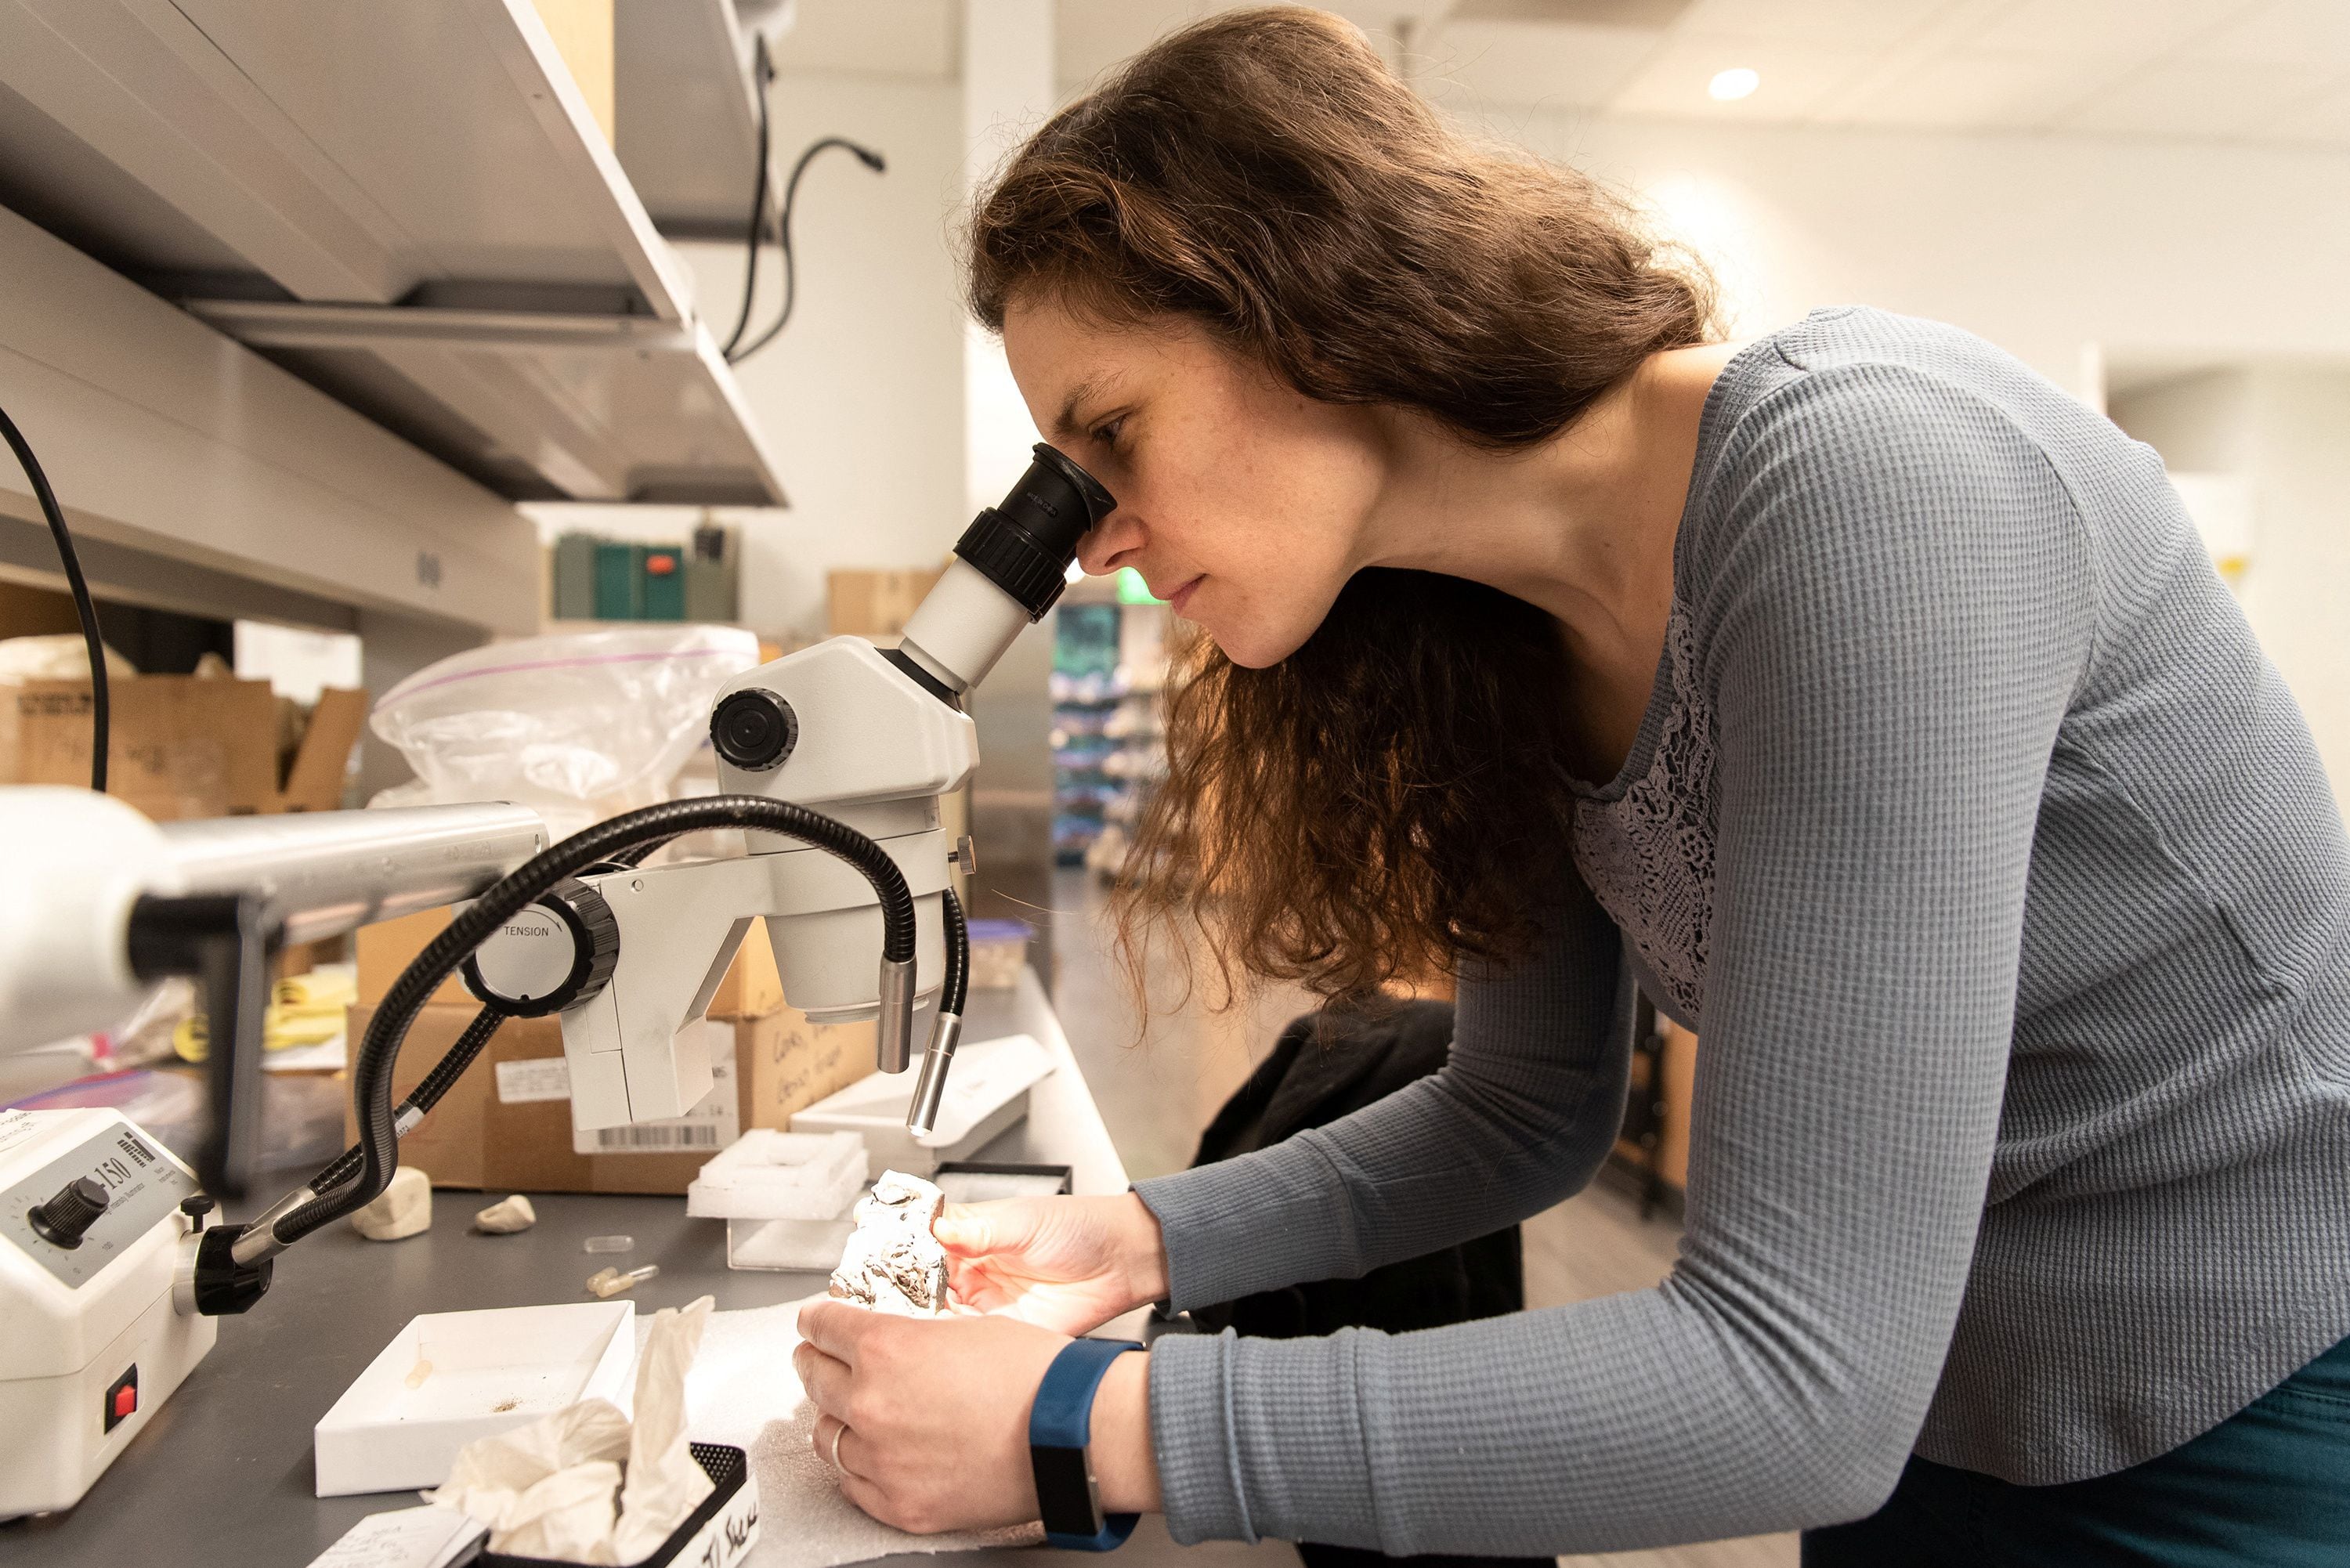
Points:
(871, 739)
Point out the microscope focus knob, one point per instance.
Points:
(66, 1218)
(554, 953)
(754, 730)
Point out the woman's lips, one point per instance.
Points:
(1180, 597)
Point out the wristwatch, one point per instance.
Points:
(1060, 1425)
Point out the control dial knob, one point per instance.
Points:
(754, 730)
(66, 1218)
(554, 953)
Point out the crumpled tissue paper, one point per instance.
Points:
(555, 1488)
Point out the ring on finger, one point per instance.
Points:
(838, 1430)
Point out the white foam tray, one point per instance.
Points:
(770, 1175)
(492, 1371)
(987, 1092)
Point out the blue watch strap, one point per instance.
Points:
(1060, 1425)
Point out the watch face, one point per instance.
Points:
(1066, 1499)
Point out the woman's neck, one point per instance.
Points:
(1581, 525)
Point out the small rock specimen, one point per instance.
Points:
(893, 1263)
(507, 1216)
(402, 1210)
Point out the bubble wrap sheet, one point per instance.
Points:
(743, 1391)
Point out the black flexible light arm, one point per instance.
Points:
(371, 1076)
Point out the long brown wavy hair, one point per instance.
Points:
(1396, 794)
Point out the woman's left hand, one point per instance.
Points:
(936, 1411)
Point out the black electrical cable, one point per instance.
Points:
(99, 715)
(763, 72)
(371, 1076)
(958, 976)
(424, 1096)
(865, 155)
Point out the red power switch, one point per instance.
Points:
(122, 1399)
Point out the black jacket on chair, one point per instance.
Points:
(1323, 1066)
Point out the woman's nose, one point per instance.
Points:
(1112, 543)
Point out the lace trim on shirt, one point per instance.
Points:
(1648, 855)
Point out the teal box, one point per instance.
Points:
(663, 595)
(619, 582)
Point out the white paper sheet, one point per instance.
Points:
(743, 1391)
(403, 1538)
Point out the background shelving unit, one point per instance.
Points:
(1108, 739)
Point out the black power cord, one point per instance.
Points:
(865, 155)
(763, 72)
(378, 1153)
(83, 608)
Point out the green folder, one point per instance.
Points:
(663, 595)
(619, 582)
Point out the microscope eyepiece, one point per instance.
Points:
(1025, 545)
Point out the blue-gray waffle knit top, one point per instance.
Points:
(1996, 865)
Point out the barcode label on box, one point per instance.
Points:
(655, 1138)
(710, 1126)
(540, 1078)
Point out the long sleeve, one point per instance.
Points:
(1895, 603)
(1520, 1117)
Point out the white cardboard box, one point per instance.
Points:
(491, 1372)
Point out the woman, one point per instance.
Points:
(1870, 699)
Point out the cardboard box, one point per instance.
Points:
(505, 1125)
(875, 604)
(752, 988)
(181, 747)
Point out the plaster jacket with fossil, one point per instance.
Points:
(893, 1263)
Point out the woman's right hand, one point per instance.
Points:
(1069, 1264)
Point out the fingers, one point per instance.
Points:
(827, 1381)
(966, 1228)
(835, 1328)
(868, 1498)
(975, 1285)
(838, 1447)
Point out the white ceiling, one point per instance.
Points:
(2274, 71)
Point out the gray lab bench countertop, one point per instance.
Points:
(222, 1474)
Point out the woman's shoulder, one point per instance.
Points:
(1880, 452)
(1854, 413)
(1857, 429)
(1852, 375)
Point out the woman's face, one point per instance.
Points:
(1241, 503)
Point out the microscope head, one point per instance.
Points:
(868, 736)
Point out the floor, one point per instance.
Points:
(1158, 1087)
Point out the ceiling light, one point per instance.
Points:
(1734, 83)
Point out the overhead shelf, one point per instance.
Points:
(537, 408)
(409, 205)
(201, 478)
(686, 114)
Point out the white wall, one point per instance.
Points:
(2286, 430)
(861, 397)
(2043, 244)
